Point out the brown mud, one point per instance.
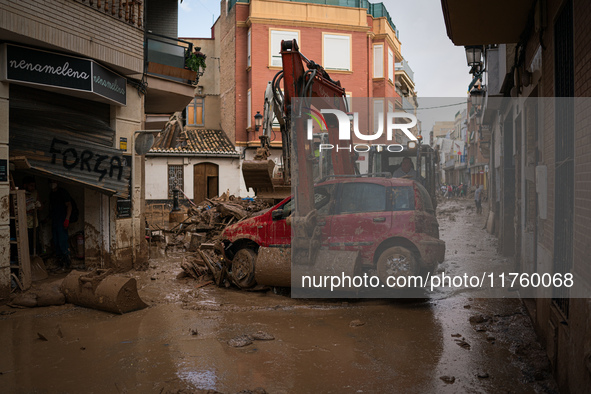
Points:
(184, 342)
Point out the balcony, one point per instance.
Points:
(408, 105)
(170, 85)
(377, 10)
(460, 163)
(110, 33)
(403, 66)
(130, 11)
(465, 26)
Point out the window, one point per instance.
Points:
(378, 61)
(175, 178)
(403, 198)
(322, 198)
(195, 112)
(390, 65)
(248, 49)
(337, 52)
(349, 102)
(362, 197)
(248, 110)
(287, 208)
(276, 37)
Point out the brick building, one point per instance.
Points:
(540, 166)
(355, 41)
(79, 80)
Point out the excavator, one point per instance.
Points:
(301, 83)
(259, 172)
(303, 80)
(286, 243)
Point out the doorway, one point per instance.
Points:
(205, 181)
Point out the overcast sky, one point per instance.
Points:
(439, 67)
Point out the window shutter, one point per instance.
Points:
(378, 61)
(337, 52)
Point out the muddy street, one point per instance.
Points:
(197, 339)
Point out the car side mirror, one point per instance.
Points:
(277, 214)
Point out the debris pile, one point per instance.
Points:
(199, 232)
(210, 217)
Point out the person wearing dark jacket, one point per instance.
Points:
(60, 204)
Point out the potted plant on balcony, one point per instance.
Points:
(195, 62)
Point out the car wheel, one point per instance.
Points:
(243, 268)
(396, 261)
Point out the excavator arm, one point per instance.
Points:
(305, 80)
(305, 84)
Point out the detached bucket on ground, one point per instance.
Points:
(100, 290)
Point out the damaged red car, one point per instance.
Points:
(390, 221)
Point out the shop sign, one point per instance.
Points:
(73, 158)
(32, 66)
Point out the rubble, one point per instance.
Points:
(205, 221)
(198, 233)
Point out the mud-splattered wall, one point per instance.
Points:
(4, 198)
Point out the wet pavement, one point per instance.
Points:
(450, 342)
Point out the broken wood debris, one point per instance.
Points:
(199, 232)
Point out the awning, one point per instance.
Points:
(71, 158)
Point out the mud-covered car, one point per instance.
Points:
(389, 221)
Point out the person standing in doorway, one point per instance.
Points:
(61, 208)
(33, 207)
(478, 199)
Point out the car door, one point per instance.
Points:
(361, 217)
(281, 231)
(324, 205)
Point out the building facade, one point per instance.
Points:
(537, 134)
(73, 99)
(356, 42)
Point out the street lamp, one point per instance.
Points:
(258, 121)
(473, 55)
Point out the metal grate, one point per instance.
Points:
(564, 150)
(175, 179)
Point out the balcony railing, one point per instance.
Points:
(407, 105)
(376, 10)
(166, 56)
(129, 11)
(406, 68)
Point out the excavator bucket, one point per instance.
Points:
(100, 290)
(258, 174)
(273, 266)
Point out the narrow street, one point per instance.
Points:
(182, 343)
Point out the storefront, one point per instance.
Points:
(71, 120)
(478, 175)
